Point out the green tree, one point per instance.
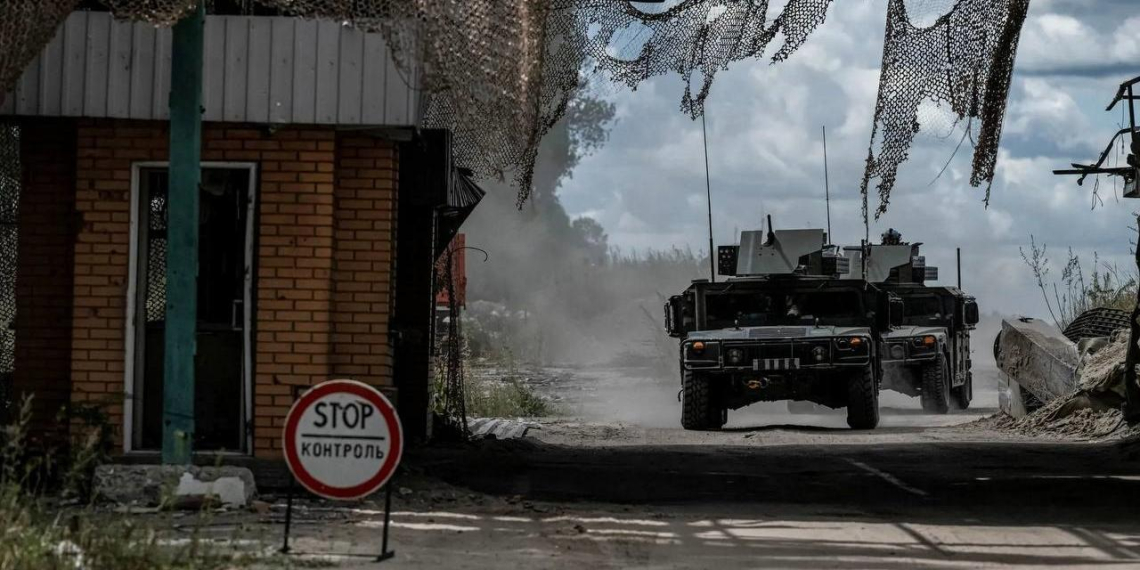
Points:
(592, 239)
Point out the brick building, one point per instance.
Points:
(322, 213)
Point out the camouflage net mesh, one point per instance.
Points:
(450, 392)
(963, 62)
(25, 26)
(9, 211)
(695, 39)
(499, 73)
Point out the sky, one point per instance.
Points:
(646, 186)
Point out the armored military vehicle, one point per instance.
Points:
(928, 354)
(785, 326)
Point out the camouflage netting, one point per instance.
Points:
(9, 209)
(499, 73)
(25, 26)
(963, 61)
(451, 393)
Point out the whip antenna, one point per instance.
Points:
(826, 186)
(708, 194)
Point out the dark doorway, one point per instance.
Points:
(222, 368)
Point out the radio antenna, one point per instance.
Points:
(826, 186)
(708, 194)
(959, 268)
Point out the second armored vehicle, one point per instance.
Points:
(928, 354)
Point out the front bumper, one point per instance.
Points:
(911, 350)
(783, 355)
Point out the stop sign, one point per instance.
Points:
(343, 440)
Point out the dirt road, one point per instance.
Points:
(773, 490)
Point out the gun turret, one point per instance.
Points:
(899, 263)
(806, 252)
(782, 252)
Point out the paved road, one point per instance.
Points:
(897, 504)
(614, 490)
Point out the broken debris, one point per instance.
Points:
(1091, 410)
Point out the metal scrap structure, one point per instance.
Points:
(1129, 173)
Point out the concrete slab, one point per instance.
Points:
(1036, 356)
(174, 485)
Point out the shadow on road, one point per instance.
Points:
(784, 427)
(1052, 481)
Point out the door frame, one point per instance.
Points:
(130, 394)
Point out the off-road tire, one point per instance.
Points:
(936, 387)
(863, 399)
(963, 394)
(700, 403)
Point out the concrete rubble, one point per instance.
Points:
(1037, 364)
(176, 486)
(1052, 386)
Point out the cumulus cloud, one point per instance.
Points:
(647, 185)
(1079, 37)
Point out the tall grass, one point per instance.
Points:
(1076, 290)
(503, 394)
(37, 532)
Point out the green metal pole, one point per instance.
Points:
(182, 238)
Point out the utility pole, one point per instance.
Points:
(182, 238)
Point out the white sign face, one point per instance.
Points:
(342, 440)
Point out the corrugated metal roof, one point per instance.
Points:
(257, 69)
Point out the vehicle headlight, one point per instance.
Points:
(735, 356)
(818, 353)
(898, 352)
(856, 343)
(924, 344)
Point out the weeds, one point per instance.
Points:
(506, 397)
(33, 538)
(36, 533)
(1073, 294)
(503, 395)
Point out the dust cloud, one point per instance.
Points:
(552, 291)
(553, 294)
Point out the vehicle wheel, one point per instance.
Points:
(936, 387)
(863, 399)
(700, 404)
(964, 393)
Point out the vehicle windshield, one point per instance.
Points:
(773, 308)
(922, 309)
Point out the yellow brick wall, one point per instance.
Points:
(324, 259)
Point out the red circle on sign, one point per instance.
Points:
(387, 467)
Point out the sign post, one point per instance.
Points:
(182, 238)
(343, 441)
